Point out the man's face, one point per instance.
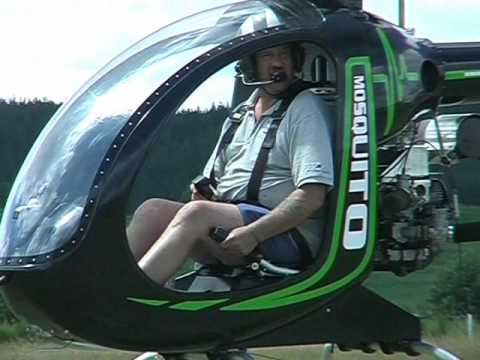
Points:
(276, 60)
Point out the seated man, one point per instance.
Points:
(284, 215)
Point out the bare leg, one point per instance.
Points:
(186, 235)
(148, 223)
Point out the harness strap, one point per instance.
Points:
(258, 171)
(236, 118)
(260, 164)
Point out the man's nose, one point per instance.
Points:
(277, 61)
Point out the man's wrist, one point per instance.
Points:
(255, 234)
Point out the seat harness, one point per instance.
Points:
(236, 118)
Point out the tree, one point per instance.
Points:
(457, 289)
(6, 316)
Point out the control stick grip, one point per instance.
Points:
(218, 234)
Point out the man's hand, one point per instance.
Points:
(240, 242)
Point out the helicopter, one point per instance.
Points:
(64, 256)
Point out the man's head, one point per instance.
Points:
(282, 61)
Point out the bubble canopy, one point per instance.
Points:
(44, 213)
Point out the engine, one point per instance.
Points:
(417, 204)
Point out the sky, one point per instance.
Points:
(49, 48)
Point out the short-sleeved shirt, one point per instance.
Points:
(302, 154)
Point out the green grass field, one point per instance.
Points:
(469, 213)
(468, 350)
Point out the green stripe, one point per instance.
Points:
(405, 75)
(412, 76)
(148, 302)
(197, 305)
(391, 93)
(294, 293)
(462, 74)
(395, 82)
(383, 79)
(380, 78)
(392, 63)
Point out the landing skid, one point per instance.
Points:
(418, 347)
(223, 355)
(157, 356)
(149, 356)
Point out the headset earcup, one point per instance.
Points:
(247, 68)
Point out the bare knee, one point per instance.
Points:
(152, 208)
(149, 221)
(194, 215)
(205, 215)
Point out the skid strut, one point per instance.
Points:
(327, 353)
(436, 352)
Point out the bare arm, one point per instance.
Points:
(291, 212)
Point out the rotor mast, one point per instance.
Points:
(401, 13)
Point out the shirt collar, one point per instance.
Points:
(252, 100)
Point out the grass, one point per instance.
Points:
(10, 332)
(469, 213)
(23, 350)
(462, 347)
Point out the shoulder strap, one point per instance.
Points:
(260, 164)
(258, 171)
(236, 118)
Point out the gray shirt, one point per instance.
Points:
(302, 154)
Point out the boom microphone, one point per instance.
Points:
(276, 77)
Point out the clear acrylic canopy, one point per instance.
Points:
(51, 190)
